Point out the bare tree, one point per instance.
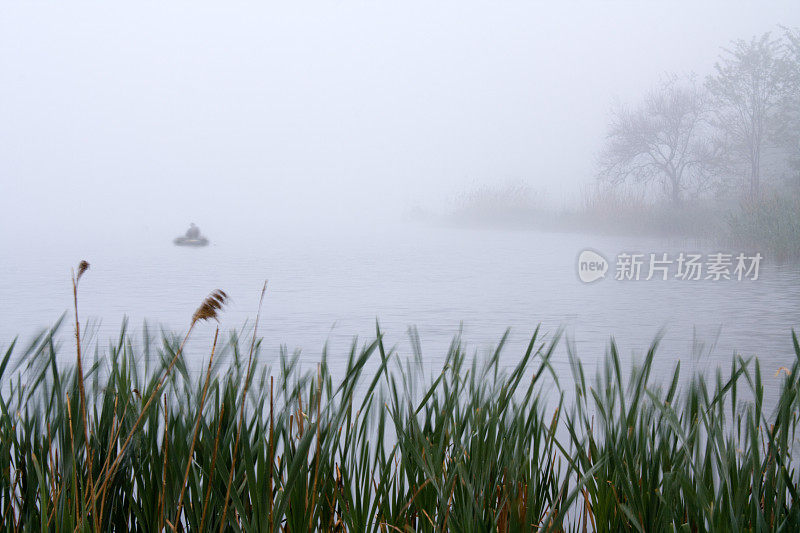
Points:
(660, 141)
(748, 89)
(788, 134)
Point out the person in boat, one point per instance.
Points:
(193, 232)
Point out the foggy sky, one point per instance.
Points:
(239, 115)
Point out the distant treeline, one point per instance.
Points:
(737, 131)
(715, 158)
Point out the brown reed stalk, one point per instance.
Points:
(300, 416)
(271, 448)
(55, 498)
(162, 499)
(74, 462)
(14, 498)
(316, 467)
(83, 266)
(55, 489)
(50, 460)
(241, 410)
(196, 429)
(207, 310)
(207, 497)
(116, 425)
(17, 520)
(110, 472)
(449, 505)
(9, 507)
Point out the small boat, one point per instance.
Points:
(186, 241)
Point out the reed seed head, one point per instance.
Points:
(208, 309)
(83, 266)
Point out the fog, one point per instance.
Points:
(117, 120)
(509, 199)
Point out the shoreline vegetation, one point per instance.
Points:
(769, 225)
(714, 158)
(128, 439)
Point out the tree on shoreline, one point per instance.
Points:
(662, 140)
(751, 82)
(732, 132)
(789, 126)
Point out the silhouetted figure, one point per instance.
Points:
(193, 232)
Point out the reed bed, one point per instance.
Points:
(131, 439)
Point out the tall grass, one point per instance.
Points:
(249, 444)
(772, 221)
(769, 224)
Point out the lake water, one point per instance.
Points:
(329, 286)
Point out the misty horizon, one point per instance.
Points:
(115, 119)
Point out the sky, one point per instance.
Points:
(146, 116)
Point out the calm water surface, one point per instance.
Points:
(331, 286)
